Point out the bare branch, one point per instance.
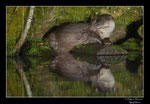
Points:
(16, 9)
(24, 34)
(43, 11)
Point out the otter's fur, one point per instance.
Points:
(65, 38)
(68, 36)
(104, 25)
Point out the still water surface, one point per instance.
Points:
(69, 75)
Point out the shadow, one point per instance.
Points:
(25, 48)
(131, 31)
(22, 58)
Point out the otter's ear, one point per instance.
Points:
(93, 22)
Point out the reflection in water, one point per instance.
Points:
(66, 75)
(99, 75)
(19, 65)
(111, 59)
(132, 65)
(104, 80)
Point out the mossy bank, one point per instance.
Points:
(46, 18)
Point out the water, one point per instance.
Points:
(75, 76)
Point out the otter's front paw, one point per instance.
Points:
(106, 41)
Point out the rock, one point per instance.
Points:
(111, 51)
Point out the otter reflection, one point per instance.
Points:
(104, 80)
(99, 75)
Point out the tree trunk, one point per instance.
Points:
(24, 33)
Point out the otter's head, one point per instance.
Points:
(103, 25)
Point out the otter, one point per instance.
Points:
(65, 38)
(104, 25)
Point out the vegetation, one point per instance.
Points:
(39, 47)
(48, 17)
(132, 44)
(140, 31)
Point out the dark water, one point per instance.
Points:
(75, 76)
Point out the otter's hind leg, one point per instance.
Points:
(52, 41)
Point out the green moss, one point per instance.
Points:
(86, 49)
(72, 14)
(39, 47)
(132, 44)
(117, 46)
(35, 51)
(140, 31)
(133, 55)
